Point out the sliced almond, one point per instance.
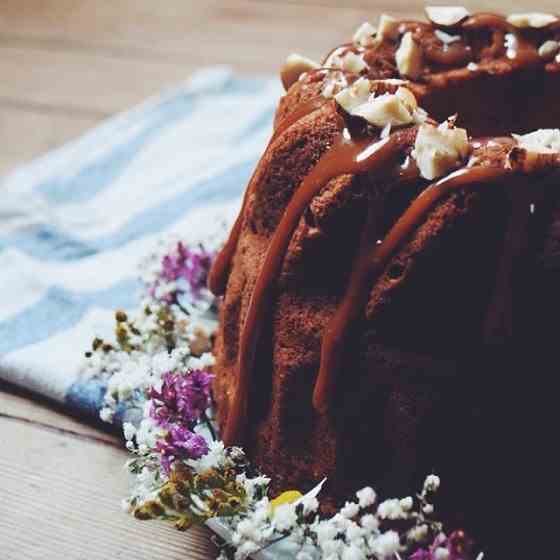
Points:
(294, 67)
(388, 28)
(409, 57)
(353, 62)
(446, 16)
(365, 35)
(536, 20)
(408, 98)
(385, 110)
(549, 49)
(438, 149)
(543, 141)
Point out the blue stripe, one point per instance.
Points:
(59, 310)
(103, 172)
(46, 242)
(261, 121)
(108, 167)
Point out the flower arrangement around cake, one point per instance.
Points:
(158, 373)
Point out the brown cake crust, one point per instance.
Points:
(416, 394)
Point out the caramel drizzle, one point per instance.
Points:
(370, 265)
(345, 157)
(219, 273)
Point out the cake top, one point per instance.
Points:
(426, 52)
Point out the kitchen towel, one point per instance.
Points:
(75, 223)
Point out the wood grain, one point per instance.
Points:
(20, 405)
(60, 498)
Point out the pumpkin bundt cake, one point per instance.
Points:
(385, 281)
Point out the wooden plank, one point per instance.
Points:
(28, 131)
(82, 57)
(24, 406)
(61, 499)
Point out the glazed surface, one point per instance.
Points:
(358, 295)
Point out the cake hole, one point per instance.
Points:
(396, 270)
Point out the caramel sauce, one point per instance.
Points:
(219, 272)
(347, 156)
(489, 21)
(448, 55)
(370, 265)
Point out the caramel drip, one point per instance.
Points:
(219, 272)
(345, 157)
(369, 266)
(448, 55)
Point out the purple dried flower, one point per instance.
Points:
(422, 554)
(459, 546)
(183, 398)
(180, 443)
(186, 267)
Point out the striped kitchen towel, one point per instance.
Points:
(75, 223)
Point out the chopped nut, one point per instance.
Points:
(446, 15)
(388, 28)
(390, 109)
(352, 62)
(548, 49)
(294, 67)
(439, 149)
(531, 20)
(365, 35)
(543, 141)
(409, 57)
(408, 98)
(383, 110)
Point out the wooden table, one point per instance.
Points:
(67, 65)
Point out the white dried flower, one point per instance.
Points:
(432, 483)
(370, 522)
(353, 552)
(129, 431)
(386, 545)
(285, 517)
(350, 510)
(406, 503)
(441, 553)
(366, 497)
(106, 414)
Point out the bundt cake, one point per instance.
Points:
(386, 282)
